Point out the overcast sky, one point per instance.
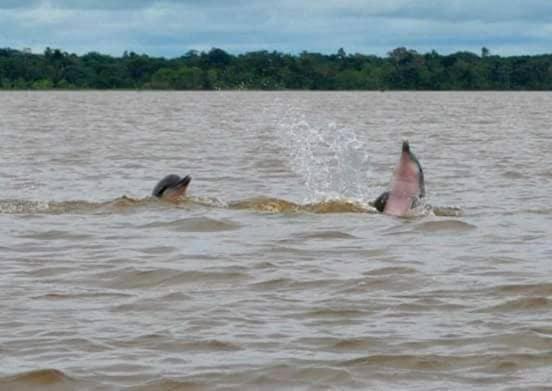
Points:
(172, 27)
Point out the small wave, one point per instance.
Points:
(169, 385)
(273, 284)
(513, 175)
(175, 296)
(205, 201)
(444, 226)
(62, 207)
(391, 270)
(158, 250)
(51, 271)
(266, 204)
(125, 204)
(208, 345)
(487, 362)
(325, 235)
(196, 224)
(165, 343)
(264, 265)
(84, 295)
(447, 211)
(133, 278)
(293, 284)
(546, 173)
(333, 313)
(428, 304)
(56, 235)
(275, 205)
(47, 207)
(523, 304)
(403, 361)
(542, 289)
(118, 205)
(422, 210)
(349, 344)
(338, 206)
(294, 377)
(536, 211)
(40, 379)
(282, 376)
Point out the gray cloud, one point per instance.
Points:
(17, 4)
(115, 4)
(484, 11)
(75, 4)
(449, 10)
(172, 27)
(452, 10)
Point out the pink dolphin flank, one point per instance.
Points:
(407, 186)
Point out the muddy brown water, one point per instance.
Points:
(275, 273)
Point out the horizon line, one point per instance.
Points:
(340, 51)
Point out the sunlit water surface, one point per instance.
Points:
(275, 273)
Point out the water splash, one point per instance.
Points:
(332, 160)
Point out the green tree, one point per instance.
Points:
(43, 84)
(403, 68)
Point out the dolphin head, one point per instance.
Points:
(407, 185)
(171, 187)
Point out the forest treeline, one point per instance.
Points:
(401, 69)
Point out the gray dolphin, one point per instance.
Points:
(407, 186)
(171, 187)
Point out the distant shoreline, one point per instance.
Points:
(217, 70)
(253, 90)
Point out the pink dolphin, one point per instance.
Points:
(407, 186)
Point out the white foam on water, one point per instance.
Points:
(332, 160)
(23, 207)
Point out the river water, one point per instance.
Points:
(275, 272)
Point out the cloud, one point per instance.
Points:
(75, 4)
(442, 10)
(172, 27)
(116, 4)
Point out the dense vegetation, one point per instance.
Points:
(217, 69)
